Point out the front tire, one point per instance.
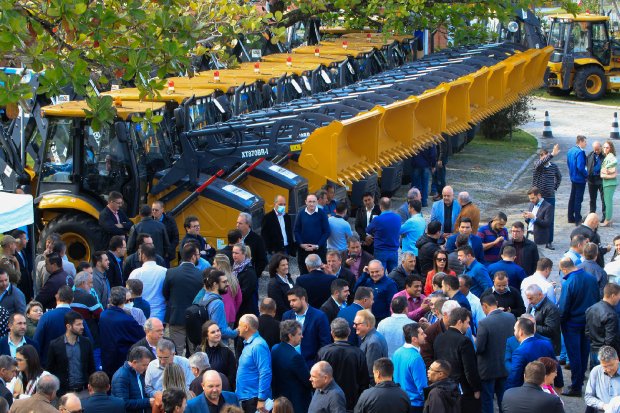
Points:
(590, 83)
(80, 232)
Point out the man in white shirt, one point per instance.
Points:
(540, 278)
(152, 277)
(155, 371)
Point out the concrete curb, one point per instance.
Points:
(524, 165)
(571, 102)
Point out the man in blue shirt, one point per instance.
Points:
(409, 368)
(383, 288)
(254, 371)
(384, 230)
(413, 228)
(478, 272)
(576, 161)
(339, 229)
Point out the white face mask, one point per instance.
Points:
(128, 306)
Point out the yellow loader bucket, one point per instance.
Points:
(396, 131)
(457, 105)
(530, 70)
(300, 59)
(333, 51)
(344, 151)
(429, 118)
(513, 78)
(542, 59)
(478, 94)
(495, 87)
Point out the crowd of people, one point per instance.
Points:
(393, 311)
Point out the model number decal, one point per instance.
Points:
(254, 152)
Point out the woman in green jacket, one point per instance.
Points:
(608, 173)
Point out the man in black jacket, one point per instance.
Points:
(8, 368)
(405, 269)
(589, 229)
(58, 277)
(508, 298)
(117, 249)
(171, 228)
(180, 288)
(155, 229)
(443, 393)
(527, 252)
(427, 245)
(112, 219)
(594, 162)
(334, 267)
(602, 322)
(268, 326)
(385, 396)
(132, 261)
(458, 350)
(254, 241)
(340, 292)
(530, 397)
(277, 224)
(546, 314)
(364, 216)
(357, 259)
(192, 233)
(538, 218)
(70, 356)
(348, 362)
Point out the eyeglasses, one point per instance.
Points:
(442, 259)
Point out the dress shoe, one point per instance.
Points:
(550, 247)
(570, 392)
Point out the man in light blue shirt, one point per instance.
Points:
(392, 327)
(413, 228)
(340, 229)
(254, 371)
(604, 381)
(409, 368)
(155, 370)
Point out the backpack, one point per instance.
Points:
(195, 316)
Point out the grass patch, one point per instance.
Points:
(610, 99)
(521, 140)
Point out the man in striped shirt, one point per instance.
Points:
(547, 178)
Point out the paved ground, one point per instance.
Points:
(500, 182)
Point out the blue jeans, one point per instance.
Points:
(563, 355)
(389, 259)
(419, 179)
(594, 359)
(552, 202)
(574, 202)
(490, 388)
(578, 349)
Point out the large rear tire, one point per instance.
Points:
(80, 232)
(590, 83)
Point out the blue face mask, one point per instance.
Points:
(280, 209)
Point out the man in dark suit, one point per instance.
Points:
(180, 288)
(99, 401)
(25, 264)
(334, 266)
(364, 216)
(290, 374)
(117, 250)
(332, 306)
(171, 227)
(547, 315)
(356, 259)
(276, 225)
(530, 397)
(254, 241)
(348, 362)
(268, 326)
(317, 283)
(17, 335)
(538, 217)
(530, 349)
(112, 219)
(315, 327)
(62, 361)
(154, 330)
(8, 368)
(155, 229)
(493, 331)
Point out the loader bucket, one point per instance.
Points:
(345, 150)
(530, 71)
(478, 94)
(396, 131)
(495, 87)
(513, 78)
(541, 65)
(457, 105)
(429, 118)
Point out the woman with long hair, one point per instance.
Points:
(232, 299)
(245, 273)
(440, 264)
(172, 378)
(551, 370)
(279, 284)
(608, 174)
(221, 358)
(29, 368)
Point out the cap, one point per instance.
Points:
(7, 240)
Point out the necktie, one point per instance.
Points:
(118, 220)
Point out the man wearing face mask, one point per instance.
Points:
(277, 229)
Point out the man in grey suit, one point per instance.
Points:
(530, 397)
(493, 331)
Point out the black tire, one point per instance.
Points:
(590, 83)
(81, 233)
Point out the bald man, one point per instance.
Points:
(328, 396)
(212, 398)
(446, 210)
(70, 402)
